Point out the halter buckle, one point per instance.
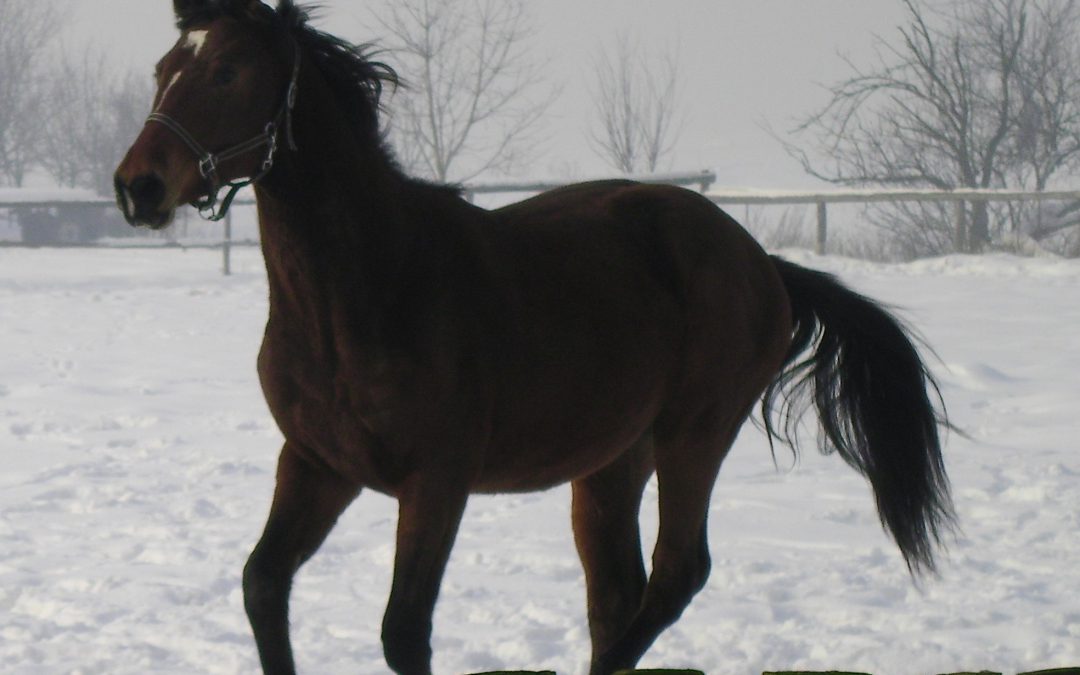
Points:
(208, 168)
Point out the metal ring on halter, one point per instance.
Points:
(271, 133)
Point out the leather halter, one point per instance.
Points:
(209, 161)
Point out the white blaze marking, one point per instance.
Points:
(169, 86)
(195, 40)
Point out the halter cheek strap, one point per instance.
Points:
(209, 161)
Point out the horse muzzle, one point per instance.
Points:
(142, 201)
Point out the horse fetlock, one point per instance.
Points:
(610, 663)
(407, 648)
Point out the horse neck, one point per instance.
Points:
(330, 214)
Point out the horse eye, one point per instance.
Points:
(224, 75)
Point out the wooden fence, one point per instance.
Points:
(822, 199)
(702, 180)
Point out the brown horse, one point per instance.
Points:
(426, 348)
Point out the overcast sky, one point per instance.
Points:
(745, 63)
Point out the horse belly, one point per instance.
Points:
(530, 467)
(573, 418)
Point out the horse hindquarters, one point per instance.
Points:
(738, 332)
(870, 388)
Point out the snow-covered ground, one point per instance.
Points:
(137, 466)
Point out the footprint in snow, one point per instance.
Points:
(63, 367)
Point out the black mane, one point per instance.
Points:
(356, 80)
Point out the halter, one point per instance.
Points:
(209, 161)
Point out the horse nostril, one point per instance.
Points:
(147, 191)
(123, 198)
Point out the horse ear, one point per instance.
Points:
(252, 8)
(257, 7)
(184, 8)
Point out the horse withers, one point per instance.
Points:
(425, 348)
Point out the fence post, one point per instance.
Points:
(226, 245)
(960, 233)
(707, 178)
(822, 227)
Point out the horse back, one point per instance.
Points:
(615, 298)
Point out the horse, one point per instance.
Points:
(423, 347)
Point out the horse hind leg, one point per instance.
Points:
(605, 517)
(307, 503)
(686, 471)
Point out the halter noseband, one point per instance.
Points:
(209, 161)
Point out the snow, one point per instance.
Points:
(138, 464)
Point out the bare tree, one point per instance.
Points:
(95, 106)
(634, 101)
(472, 92)
(1047, 139)
(26, 29)
(984, 95)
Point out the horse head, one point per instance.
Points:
(224, 99)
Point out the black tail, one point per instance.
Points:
(873, 393)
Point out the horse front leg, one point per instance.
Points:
(307, 503)
(429, 512)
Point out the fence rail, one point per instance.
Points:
(823, 199)
(703, 180)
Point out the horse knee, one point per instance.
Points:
(266, 587)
